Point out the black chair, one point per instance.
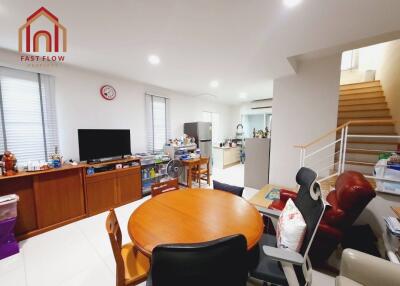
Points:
(285, 267)
(214, 263)
(238, 191)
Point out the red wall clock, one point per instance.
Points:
(108, 92)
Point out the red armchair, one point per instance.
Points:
(351, 195)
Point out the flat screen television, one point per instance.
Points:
(95, 144)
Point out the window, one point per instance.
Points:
(28, 126)
(213, 117)
(157, 111)
(350, 60)
(255, 121)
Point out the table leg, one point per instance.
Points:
(208, 173)
(189, 177)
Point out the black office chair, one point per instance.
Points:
(214, 263)
(238, 191)
(281, 266)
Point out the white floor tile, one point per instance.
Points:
(12, 263)
(57, 256)
(96, 274)
(14, 277)
(80, 253)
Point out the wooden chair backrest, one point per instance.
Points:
(115, 235)
(204, 161)
(162, 187)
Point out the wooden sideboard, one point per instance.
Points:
(112, 189)
(52, 198)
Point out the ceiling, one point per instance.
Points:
(242, 44)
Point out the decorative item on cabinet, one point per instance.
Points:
(56, 159)
(9, 164)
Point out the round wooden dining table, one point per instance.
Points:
(193, 216)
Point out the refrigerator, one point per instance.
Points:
(202, 132)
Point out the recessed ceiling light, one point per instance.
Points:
(154, 59)
(214, 83)
(291, 3)
(243, 95)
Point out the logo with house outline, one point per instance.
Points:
(54, 42)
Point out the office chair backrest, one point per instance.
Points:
(310, 204)
(115, 235)
(214, 263)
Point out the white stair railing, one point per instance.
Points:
(327, 155)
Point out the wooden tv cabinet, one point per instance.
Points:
(52, 198)
(113, 188)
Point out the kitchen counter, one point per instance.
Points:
(224, 157)
(225, 147)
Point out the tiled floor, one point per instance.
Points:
(80, 253)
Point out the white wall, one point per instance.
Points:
(79, 105)
(388, 73)
(369, 59)
(305, 107)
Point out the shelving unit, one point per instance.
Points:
(149, 162)
(147, 180)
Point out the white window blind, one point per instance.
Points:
(158, 130)
(27, 115)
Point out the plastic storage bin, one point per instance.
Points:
(8, 218)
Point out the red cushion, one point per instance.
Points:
(353, 190)
(333, 215)
(284, 195)
(277, 205)
(330, 230)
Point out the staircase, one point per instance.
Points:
(365, 130)
(366, 102)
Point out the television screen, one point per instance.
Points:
(103, 143)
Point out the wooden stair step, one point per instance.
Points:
(373, 142)
(360, 163)
(343, 121)
(362, 101)
(361, 90)
(350, 118)
(385, 112)
(375, 109)
(363, 107)
(376, 133)
(364, 95)
(360, 85)
(365, 151)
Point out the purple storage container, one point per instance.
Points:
(8, 218)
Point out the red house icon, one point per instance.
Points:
(51, 46)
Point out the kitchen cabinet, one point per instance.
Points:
(224, 157)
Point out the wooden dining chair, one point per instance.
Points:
(132, 266)
(202, 171)
(163, 187)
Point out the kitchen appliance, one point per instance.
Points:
(174, 168)
(180, 153)
(96, 144)
(202, 133)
